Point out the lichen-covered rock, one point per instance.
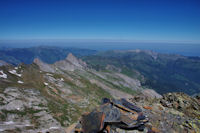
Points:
(183, 103)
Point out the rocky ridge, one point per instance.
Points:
(45, 97)
(71, 63)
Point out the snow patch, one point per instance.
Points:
(15, 73)
(61, 79)
(3, 75)
(16, 68)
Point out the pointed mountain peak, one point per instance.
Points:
(43, 66)
(71, 57)
(37, 61)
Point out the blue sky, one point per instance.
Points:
(144, 20)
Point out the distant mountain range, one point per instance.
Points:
(42, 97)
(45, 53)
(161, 72)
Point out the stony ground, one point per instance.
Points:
(169, 115)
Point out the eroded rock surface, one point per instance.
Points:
(25, 110)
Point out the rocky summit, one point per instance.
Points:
(174, 112)
(53, 98)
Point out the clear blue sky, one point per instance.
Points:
(154, 20)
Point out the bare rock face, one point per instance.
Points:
(64, 65)
(3, 63)
(44, 66)
(77, 62)
(71, 63)
(129, 82)
(25, 110)
(151, 93)
(71, 58)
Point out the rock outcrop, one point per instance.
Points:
(183, 103)
(44, 66)
(21, 111)
(71, 63)
(111, 115)
(3, 63)
(175, 112)
(176, 116)
(71, 58)
(151, 93)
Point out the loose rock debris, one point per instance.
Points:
(111, 115)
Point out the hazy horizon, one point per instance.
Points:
(161, 26)
(182, 48)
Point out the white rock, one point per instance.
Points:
(3, 75)
(54, 128)
(9, 123)
(49, 74)
(61, 79)
(20, 82)
(15, 73)
(46, 83)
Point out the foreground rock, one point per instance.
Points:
(175, 112)
(112, 115)
(183, 103)
(172, 113)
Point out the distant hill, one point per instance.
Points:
(45, 53)
(162, 72)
